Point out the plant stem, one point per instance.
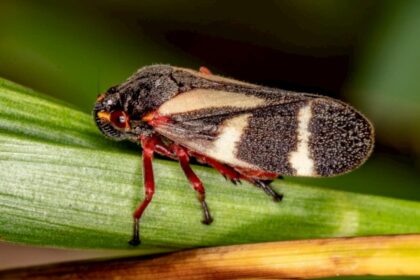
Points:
(375, 255)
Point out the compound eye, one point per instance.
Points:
(120, 119)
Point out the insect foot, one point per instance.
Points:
(265, 186)
(135, 241)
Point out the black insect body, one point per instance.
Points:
(244, 131)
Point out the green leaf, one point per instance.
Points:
(63, 184)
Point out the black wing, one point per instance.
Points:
(275, 131)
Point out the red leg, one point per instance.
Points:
(260, 174)
(226, 171)
(262, 180)
(163, 149)
(205, 70)
(148, 144)
(194, 180)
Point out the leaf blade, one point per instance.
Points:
(78, 192)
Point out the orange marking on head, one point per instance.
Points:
(105, 116)
(100, 97)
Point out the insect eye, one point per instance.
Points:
(120, 119)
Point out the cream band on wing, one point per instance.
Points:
(301, 160)
(224, 148)
(202, 99)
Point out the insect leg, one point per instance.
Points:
(262, 180)
(148, 144)
(226, 171)
(265, 186)
(195, 182)
(165, 150)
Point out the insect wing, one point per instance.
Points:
(303, 135)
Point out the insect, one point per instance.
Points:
(245, 131)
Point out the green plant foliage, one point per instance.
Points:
(387, 82)
(63, 184)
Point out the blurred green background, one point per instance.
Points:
(364, 52)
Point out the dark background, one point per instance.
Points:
(366, 53)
